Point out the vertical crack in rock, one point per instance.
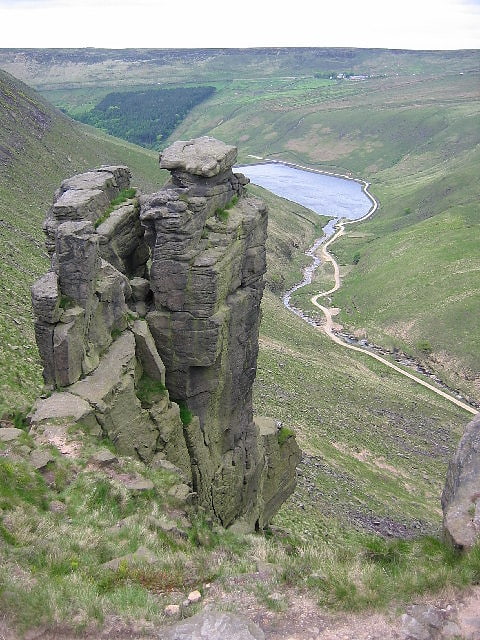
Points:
(105, 324)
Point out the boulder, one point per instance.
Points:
(205, 156)
(39, 458)
(213, 625)
(61, 406)
(103, 458)
(172, 610)
(9, 434)
(461, 494)
(138, 485)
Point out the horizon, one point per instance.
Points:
(432, 25)
(245, 48)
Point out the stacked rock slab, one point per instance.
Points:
(461, 495)
(207, 239)
(96, 351)
(108, 327)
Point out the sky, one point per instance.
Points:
(119, 24)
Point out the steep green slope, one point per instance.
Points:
(369, 438)
(39, 147)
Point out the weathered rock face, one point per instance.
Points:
(201, 304)
(461, 495)
(208, 259)
(83, 299)
(93, 346)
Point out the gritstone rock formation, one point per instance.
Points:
(165, 289)
(461, 495)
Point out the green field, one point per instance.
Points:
(375, 446)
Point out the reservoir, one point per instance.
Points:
(332, 196)
(328, 195)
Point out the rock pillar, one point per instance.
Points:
(207, 238)
(161, 357)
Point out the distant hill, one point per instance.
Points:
(60, 68)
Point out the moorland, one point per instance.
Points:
(375, 447)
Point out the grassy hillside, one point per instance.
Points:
(375, 447)
(416, 140)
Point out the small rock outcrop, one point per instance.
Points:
(461, 495)
(147, 325)
(213, 625)
(427, 622)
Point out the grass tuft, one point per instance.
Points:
(19, 483)
(186, 415)
(123, 196)
(149, 391)
(283, 434)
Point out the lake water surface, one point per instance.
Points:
(327, 195)
(331, 196)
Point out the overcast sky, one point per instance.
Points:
(408, 24)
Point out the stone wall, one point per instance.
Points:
(107, 319)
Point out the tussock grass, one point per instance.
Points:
(372, 572)
(52, 563)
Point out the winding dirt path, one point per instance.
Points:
(329, 327)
